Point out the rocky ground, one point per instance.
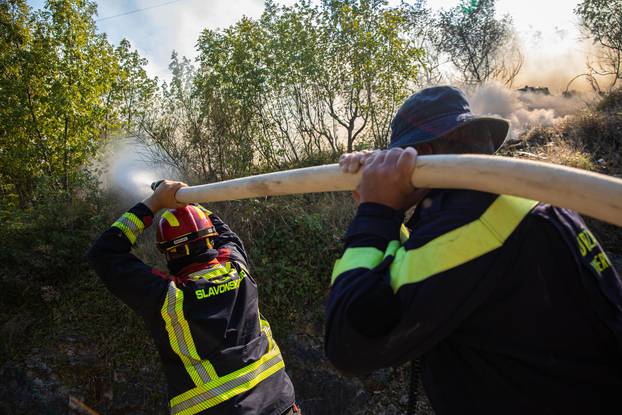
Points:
(71, 367)
(49, 381)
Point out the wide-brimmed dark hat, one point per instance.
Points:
(437, 111)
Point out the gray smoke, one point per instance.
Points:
(525, 109)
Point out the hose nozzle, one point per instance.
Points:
(155, 184)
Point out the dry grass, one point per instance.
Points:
(590, 139)
(548, 145)
(600, 134)
(611, 103)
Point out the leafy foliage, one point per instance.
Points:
(55, 73)
(133, 89)
(300, 81)
(61, 83)
(601, 19)
(478, 44)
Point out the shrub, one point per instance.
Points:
(292, 242)
(611, 102)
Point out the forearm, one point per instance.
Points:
(361, 314)
(362, 309)
(126, 276)
(122, 234)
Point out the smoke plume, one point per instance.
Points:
(526, 109)
(553, 63)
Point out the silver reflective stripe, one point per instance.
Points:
(180, 335)
(130, 225)
(133, 223)
(213, 272)
(225, 387)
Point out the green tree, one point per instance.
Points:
(56, 74)
(133, 89)
(301, 84)
(173, 126)
(479, 45)
(602, 20)
(422, 30)
(230, 82)
(293, 122)
(369, 66)
(17, 132)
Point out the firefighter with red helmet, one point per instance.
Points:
(216, 349)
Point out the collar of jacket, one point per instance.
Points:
(432, 202)
(442, 201)
(181, 267)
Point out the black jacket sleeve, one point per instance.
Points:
(384, 307)
(139, 286)
(354, 333)
(228, 244)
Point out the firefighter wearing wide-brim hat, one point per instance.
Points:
(511, 305)
(217, 351)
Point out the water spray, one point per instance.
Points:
(129, 167)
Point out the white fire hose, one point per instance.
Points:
(591, 194)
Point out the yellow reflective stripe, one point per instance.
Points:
(366, 257)
(211, 273)
(135, 220)
(219, 390)
(201, 213)
(180, 338)
(207, 212)
(462, 244)
(361, 257)
(130, 225)
(265, 328)
(243, 269)
(241, 388)
(392, 248)
(404, 234)
(126, 231)
(170, 218)
(505, 214)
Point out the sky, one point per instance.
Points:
(547, 28)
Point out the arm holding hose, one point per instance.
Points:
(228, 244)
(138, 285)
(373, 320)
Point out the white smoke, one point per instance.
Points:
(525, 109)
(129, 169)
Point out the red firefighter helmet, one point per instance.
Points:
(183, 231)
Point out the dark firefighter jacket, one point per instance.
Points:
(512, 305)
(216, 349)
